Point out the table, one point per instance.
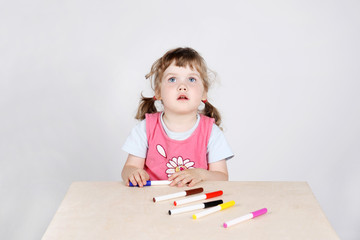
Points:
(111, 210)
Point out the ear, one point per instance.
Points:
(158, 95)
(204, 96)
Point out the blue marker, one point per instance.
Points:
(152, 183)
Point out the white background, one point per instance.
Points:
(72, 72)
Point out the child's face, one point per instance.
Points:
(181, 89)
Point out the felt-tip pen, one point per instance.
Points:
(178, 194)
(245, 217)
(195, 207)
(197, 198)
(152, 183)
(214, 209)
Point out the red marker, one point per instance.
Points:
(197, 198)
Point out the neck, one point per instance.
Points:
(179, 122)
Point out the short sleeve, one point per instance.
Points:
(136, 143)
(218, 148)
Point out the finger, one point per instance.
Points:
(173, 176)
(143, 177)
(132, 180)
(173, 182)
(177, 179)
(174, 179)
(138, 180)
(185, 181)
(193, 182)
(182, 178)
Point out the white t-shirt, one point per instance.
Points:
(218, 149)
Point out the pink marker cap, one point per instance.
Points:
(259, 212)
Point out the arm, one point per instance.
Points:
(133, 171)
(217, 172)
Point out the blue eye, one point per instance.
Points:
(192, 79)
(172, 79)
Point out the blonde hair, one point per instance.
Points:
(182, 57)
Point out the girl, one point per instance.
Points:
(180, 143)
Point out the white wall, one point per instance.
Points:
(72, 71)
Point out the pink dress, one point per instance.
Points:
(166, 156)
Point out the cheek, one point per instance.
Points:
(201, 91)
(165, 92)
(163, 88)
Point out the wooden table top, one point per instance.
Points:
(111, 210)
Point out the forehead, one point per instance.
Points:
(174, 69)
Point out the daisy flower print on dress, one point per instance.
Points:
(178, 164)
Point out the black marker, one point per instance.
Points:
(195, 207)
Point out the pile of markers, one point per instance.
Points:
(211, 206)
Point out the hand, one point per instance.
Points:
(138, 177)
(133, 171)
(189, 176)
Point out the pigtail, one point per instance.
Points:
(147, 105)
(212, 112)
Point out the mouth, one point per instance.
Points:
(182, 97)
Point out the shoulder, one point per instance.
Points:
(216, 131)
(139, 130)
(136, 143)
(218, 147)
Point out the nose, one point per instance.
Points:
(182, 87)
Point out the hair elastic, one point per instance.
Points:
(154, 98)
(204, 101)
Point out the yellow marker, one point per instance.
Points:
(214, 209)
